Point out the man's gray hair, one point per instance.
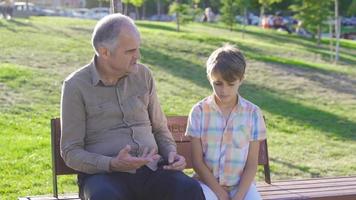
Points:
(107, 30)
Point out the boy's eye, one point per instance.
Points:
(231, 84)
(217, 83)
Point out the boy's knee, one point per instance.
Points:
(252, 193)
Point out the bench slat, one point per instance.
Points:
(340, 188)
(348, 179)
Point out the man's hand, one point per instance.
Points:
(175, 162)
(125, 162)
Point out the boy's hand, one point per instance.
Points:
(175, 162)
(223, 195)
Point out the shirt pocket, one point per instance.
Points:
(138, 105)
(98, 116)
(241, 137)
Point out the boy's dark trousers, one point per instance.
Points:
(145, 184)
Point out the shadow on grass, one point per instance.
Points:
(309, 44)
(326, 56)
(15, 22)
(299, 67)
(268, 100)
(340, 83)
(303, 169)
(82, 29)
(176, 66)
(306, 116)
(255, 53)
(163, 27)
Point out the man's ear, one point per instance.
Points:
(103, 52)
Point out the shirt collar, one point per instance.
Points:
(241, 103)
(96, 79)
(94, 72)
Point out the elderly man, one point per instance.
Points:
(113, 128)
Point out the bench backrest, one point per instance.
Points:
(176, 124)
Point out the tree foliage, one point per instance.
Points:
(137, 3)
(313, 14)
(352, 8)
(183, 13)
(347, 7)
(229, 10)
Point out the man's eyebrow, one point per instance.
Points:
(134, 49)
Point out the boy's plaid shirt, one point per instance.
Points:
(225, 143)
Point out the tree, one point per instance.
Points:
(183, 12)
(244, 5)
(115, 6)
(228, 12)
(137, 4)
(352, 8)
(158, 7)
(313, 13)
(126, 2)
(265, 4)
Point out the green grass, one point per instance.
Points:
(309, 103)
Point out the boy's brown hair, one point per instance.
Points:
(228, 61)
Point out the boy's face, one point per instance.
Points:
(225, 92)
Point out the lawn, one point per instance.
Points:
(309, 103)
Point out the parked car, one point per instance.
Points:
(81, 13)
(351, 21)
(161, 17)
(99, 12)
(21, 9)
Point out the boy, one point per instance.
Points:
(225, 130)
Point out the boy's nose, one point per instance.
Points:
(224, 90)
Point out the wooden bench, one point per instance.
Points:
(176, 125)
(340, 188)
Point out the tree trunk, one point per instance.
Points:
(177, 17)
(126, 8)
(337, 30)
(137, 13)
(319, 35)
(143, 16)
(158, 7)
(245, 22)
(331, 45)
(115, 6)
(262, 13)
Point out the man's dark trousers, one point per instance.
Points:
(145, 184)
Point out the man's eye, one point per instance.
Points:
(131, 51)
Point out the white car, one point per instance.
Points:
(98, 13)
(81, 13)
